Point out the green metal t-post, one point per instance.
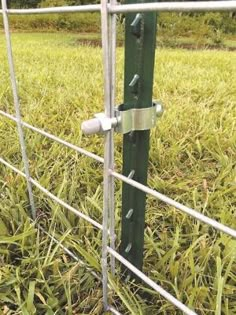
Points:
(140, 43)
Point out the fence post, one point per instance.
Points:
(140, 42)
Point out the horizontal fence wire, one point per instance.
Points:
(191, 6)
(55, 138)
(152, 284)
(113, 310)
(52, 10)
(53, 197)
(193, 213)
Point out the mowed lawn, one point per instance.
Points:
(192, 160)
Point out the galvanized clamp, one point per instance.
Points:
(124, 121)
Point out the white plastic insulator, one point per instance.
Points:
(159, 109)
(91, 126)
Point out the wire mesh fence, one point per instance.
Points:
(108, 12)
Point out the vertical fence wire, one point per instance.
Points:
(112, 65)
(17, 107)
(108, 148)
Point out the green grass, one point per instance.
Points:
(192, 159)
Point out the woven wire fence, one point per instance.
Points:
(108, 10)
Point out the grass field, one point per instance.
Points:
(192, 159)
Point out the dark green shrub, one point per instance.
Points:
(217, 37)
(171, 25)
(86, 22)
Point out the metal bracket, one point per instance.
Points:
(137, 118)
(125, 120)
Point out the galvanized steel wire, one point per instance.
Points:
(108, 11)
(108, 149)
(189, 6)
(193, 213)
(17, 107)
